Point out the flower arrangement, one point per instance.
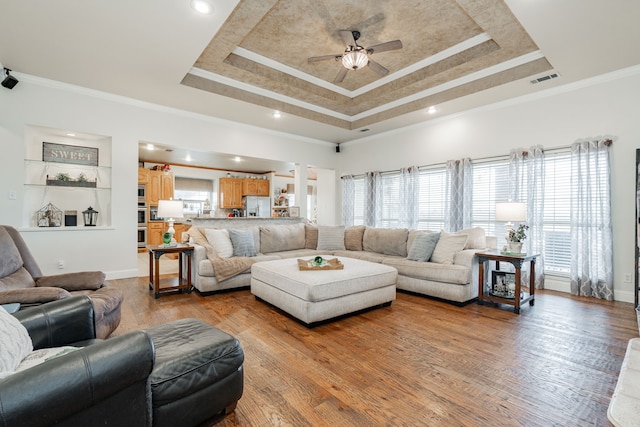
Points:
(518, 234)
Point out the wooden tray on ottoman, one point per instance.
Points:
(331, 264)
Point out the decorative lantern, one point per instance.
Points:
(49, 216)
(90, 217)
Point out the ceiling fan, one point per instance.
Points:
(356, 56)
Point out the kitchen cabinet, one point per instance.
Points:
(230, 193)
(255, 187)
(143, 176)
(155, 231)
(159, 187)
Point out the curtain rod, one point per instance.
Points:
(607, 142)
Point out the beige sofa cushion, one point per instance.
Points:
(445, 273)
(310, 236)
(447, 247)
(353, 237)
(219, 240)
(277, 238)
(388, 241)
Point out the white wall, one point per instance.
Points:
(50, 104)
(608, 106)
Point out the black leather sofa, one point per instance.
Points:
(180, 373)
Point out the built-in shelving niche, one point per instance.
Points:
(68, 186)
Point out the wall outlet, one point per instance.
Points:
(61, 264)
(627, 278)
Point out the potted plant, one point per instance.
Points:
(515, 237)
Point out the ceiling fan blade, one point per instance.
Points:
(347, 37)
(324, 57)
(377, 68)
(384, 47)
(341, 75)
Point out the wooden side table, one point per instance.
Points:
(517, 261)
(155, 252)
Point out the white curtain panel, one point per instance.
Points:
(526, 184)
(348, 200)
(408, 200)
(591, 235)
(458, 194)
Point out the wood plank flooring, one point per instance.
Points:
(418, 362)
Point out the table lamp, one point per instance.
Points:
(170, 209)
(511, 211)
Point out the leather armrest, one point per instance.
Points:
(60, 322)
(80, 281)
(33, 295)
(59, 388)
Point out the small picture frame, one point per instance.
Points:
(294, 211)
(503, 284)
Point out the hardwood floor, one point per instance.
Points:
(418, 362)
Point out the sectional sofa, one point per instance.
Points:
(224, 252)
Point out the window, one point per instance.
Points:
(557, 213)
(431, 199)
(195, 193)
(490, 185)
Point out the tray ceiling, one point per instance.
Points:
(450, 49)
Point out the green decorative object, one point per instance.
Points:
(318, 261)
(166, 238)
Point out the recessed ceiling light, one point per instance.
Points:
(432, 110)
(71, 134)
(188, 158)
(276, 114)
(150, 147)
(237, 159)
(202, 6)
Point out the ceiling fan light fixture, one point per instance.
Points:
(355, 59)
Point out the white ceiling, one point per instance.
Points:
(242, 65)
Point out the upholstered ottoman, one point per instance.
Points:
(197, 373)
(319, 295)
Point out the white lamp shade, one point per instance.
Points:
(511, 211)
(170, 209)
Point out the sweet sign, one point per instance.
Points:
(62, 153)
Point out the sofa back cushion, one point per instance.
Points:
(330, 238)
(353, 237)
(278, 238)
(10, 259)
(388, 241)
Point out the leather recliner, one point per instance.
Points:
(22, 281)
(154, 377)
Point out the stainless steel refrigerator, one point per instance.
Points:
(256, 206)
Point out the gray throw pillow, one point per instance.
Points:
(330, 238)
(423, 246)
(242, 242)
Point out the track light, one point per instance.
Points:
(9, 81)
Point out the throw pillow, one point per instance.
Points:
(15, 343)
(219, 241)
(477, 238)
(10, 259)
(353, 237)
(310, 236)
(242, 242)
(423, 246)
(447, 247)
(330, 238)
